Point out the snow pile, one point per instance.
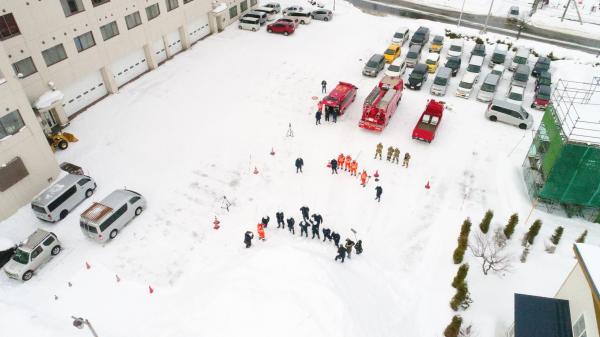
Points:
(48, 99)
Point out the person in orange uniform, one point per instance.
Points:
(363, 178)
(348, 162)
(341, 159)
(261, 231)
(353, 168)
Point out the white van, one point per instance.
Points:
(270, 12)
(499, 55)
(249, 23)
(302, 17)
(521, 57)
(465, 87)
(456, 47)
(397, 68)
(400, 36)
(475, 65)
(55, 203)
(503, 111)
(441, 81)
(488, 88)
(262, 17)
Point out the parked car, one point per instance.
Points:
(248, 23)
(391, 53)
(417, 77)
(520, 76)
(454, 63)
(437, 43)
(465, 87)
(478, 50)
(374, 65)
(503, 111)
(475, 65)
(55, 203)
(103, 220)
(259, 15)
(441, 81)
(421, 36)
(303, 17)
(545, 78)
(456, 47)
(515, 94)
(542, 64)
(499, 55)
(521, 57)
(322, 14)
(281, 27)
(413, 55)
(396, 69)
(432, 61)
(293, 8)
(34, 252)
(541, 99)
(294, 22)
(498, 70)
(275, 5)
(270, 12)
(513, 13)
(488, 88)
(401, 36)
(7, 250)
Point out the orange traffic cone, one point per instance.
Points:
(255, 170)
(427, 186)
(376, 175)
(87, 265)
(216, 223)
(150, 289)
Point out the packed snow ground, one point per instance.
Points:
(193, 130)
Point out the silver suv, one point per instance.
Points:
(37, 250)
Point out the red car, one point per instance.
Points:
(285, 28)
(429, 122)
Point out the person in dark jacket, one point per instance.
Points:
(299, 164)
(323, 86)
(326, 234)
(378, 191)
(290, 224)
(303, 228)
(358, 247)
(327, 113)
(315, 230)
(349, 245)
(333, 164)
(336, 238)
(305, 211)
(248, 238)
(317, 218)
(335, 113)
(341, 254)
(265, 221)
(318, 117)
(279, 217)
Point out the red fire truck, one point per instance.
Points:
(381, 103)
(429, 122)
(339, 98)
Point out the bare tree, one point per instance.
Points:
(492, 255)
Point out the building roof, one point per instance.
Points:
(589, 259)
(541, 317)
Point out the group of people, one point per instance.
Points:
(347, 164)
(314, 222)
(393, 155)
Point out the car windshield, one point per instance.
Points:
(440, 81)
(544, 96)
(520, 60)
(431, 61)
(394, 68)
(465, 85)
(514, 11)
(21, 256)
(330, 98)
(521, 77)
(372, 64)
(452, 63)
(416, 75)
(398, 35)
(515, 96)
(473, 68)
(542, 66)
(545, 80)
(411, 55)
(488, 87)
(390, 52)
(418, 36)
(455, 47)
(498, 58)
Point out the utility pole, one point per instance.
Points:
(461, 13)
(487, 18)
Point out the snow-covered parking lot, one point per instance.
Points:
(193, 131)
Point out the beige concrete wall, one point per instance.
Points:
(30, 144)
(577, 291)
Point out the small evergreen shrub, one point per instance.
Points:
(453, 328)
(510, 226)
(485, 223)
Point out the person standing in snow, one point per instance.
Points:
(341, 254)
(318, 117)
(315, 230)
(349, 245)
(340, 161)
(406, 159)
(378, 151)
(336, 238)
(265, 221)
(279, 217)
(353, 168)
(335, 114)
(248, 238)
(396, 156)
(390, 152)
(378, 191)
(327, 112)
(261, 231)
(299, 164)
(347, 162)
(318, 219)
(290, 224)
(323, 86)
(358, 247)
(334, 165)
(326, 234)
(303, 228)
(363, 178)
(304, 210)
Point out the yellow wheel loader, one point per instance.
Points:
(61, 140)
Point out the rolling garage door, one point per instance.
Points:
(198, 29)
(173, 41)
(160, 53)
(83, 92)
(129, 67)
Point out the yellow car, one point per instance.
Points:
(432, 62)
(436, 44)
(392, 53)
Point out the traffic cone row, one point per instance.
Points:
(118, 279)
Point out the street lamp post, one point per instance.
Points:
(79, 322)
(487, 18)
(461, 13)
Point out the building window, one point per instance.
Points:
(152, 11)
(8, 26)
(172, 4)
(232, 12)
(54, 55)
(11, 124)
(25, 67)
(133, 20)
(579, 327)
(244, 6)
(109, 30)
(99, 2)
(11, 173)
(187, 1)
(84, 41)
(71, 7)
(252, 3)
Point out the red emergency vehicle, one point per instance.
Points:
(381, 103)
(429, 122)
(339, 98)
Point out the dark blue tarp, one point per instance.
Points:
(541, 317)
